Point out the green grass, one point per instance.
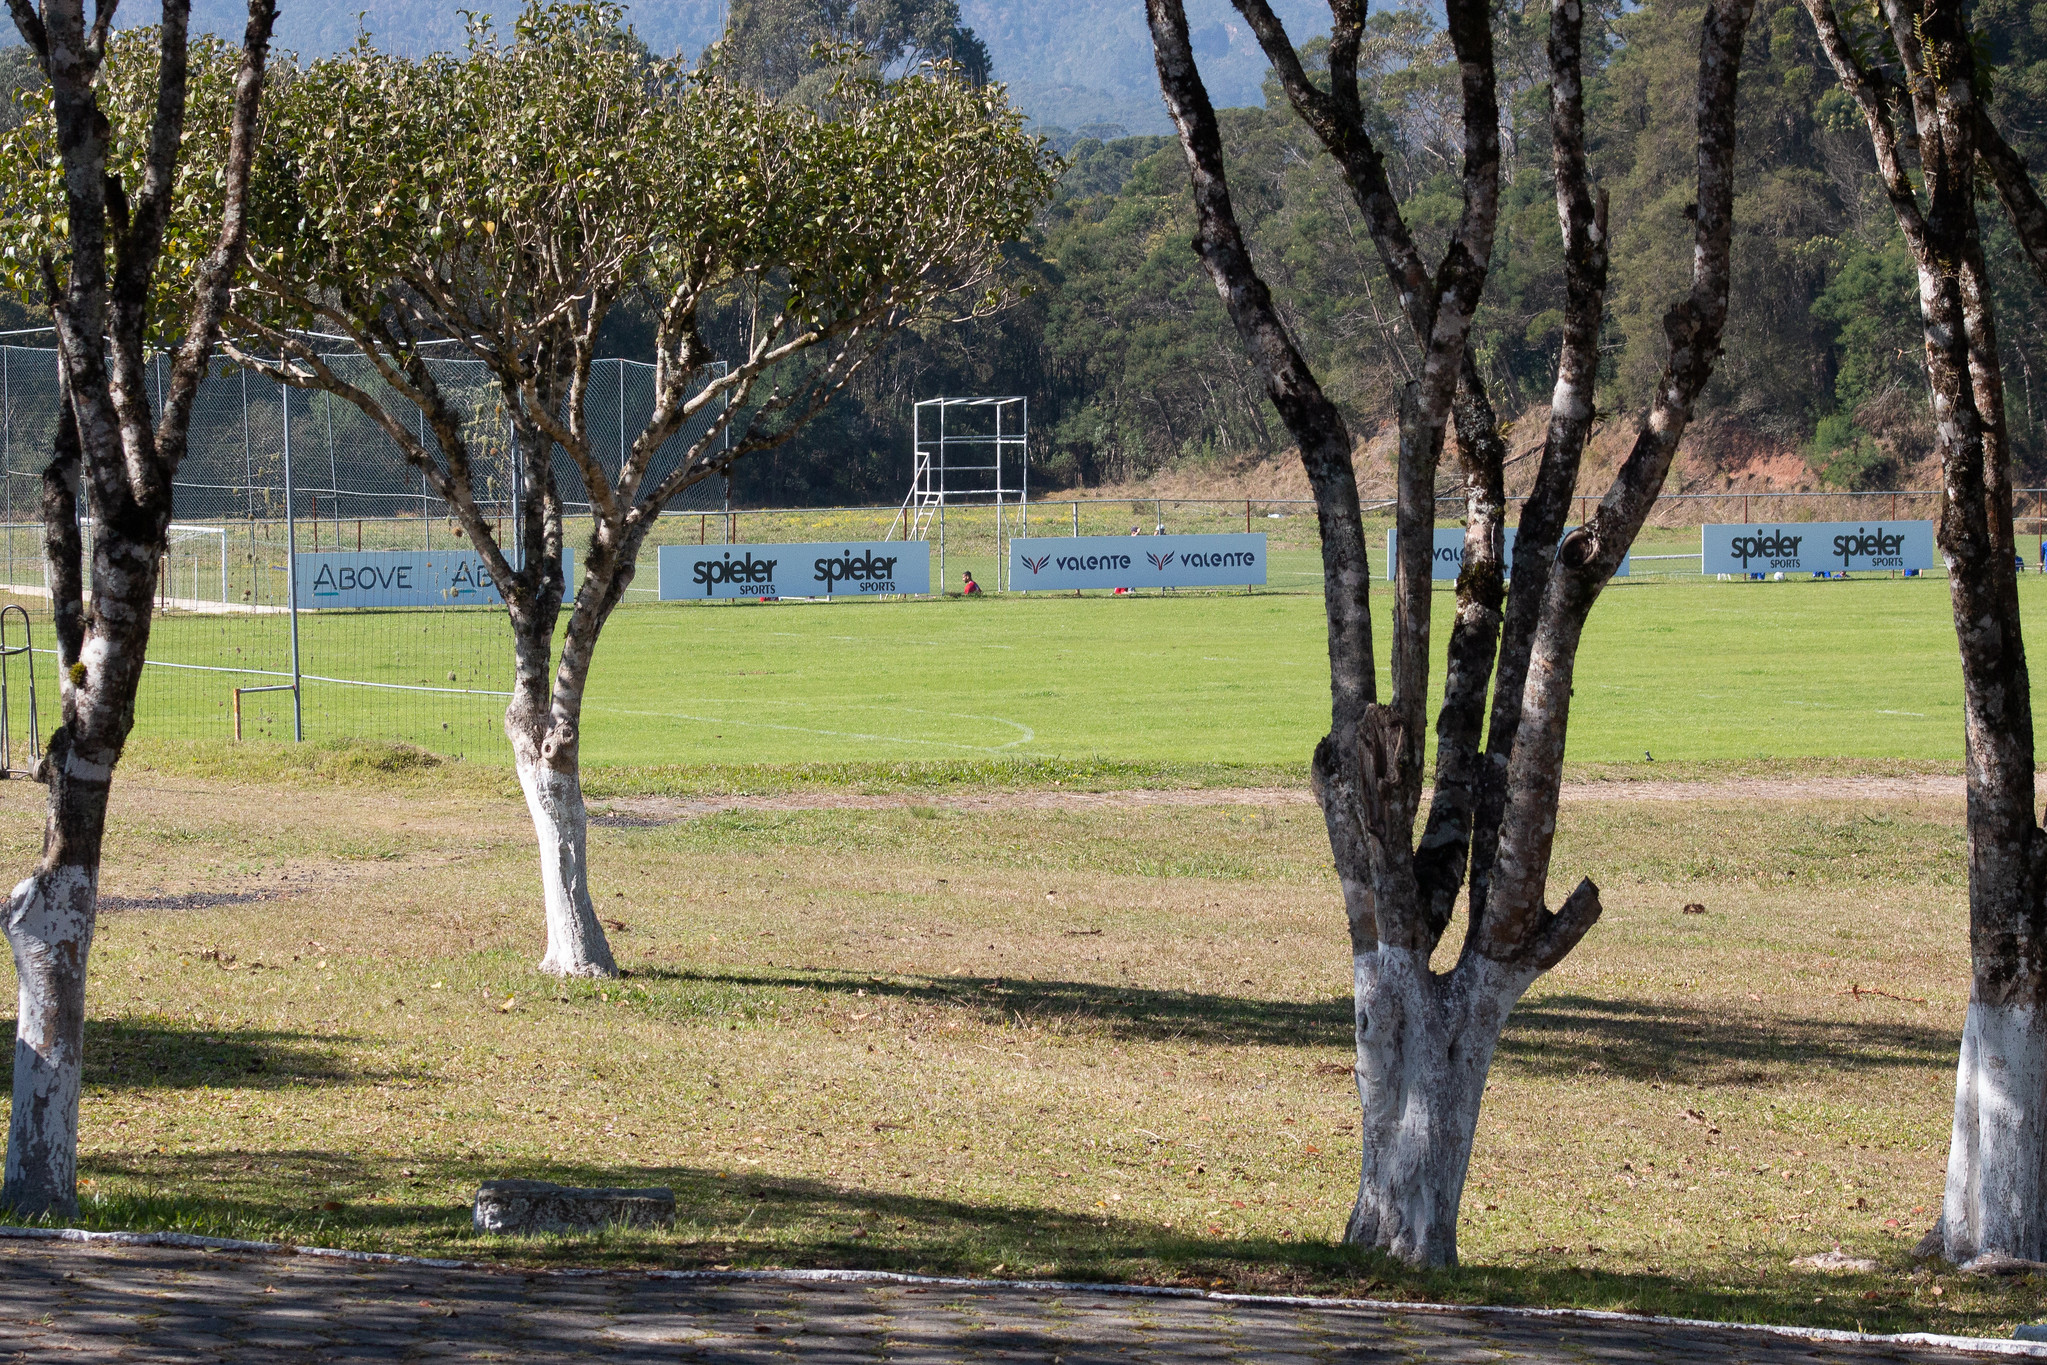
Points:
(1016, 1040)
(1689, 671)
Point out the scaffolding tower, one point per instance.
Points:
(965, 451)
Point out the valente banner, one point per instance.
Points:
(832, 568)
(1446, 560)
(1064, 563)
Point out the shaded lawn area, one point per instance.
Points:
(1023, 1042)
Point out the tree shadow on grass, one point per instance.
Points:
(1633, 1040)
(735, 1219)
(1551, 1036)
(1125, 1011)
(151, 1054)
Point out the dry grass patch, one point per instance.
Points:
(1038, 1042)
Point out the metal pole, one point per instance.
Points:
(426, 524)
(7, 455)
(941, 541)
(1023, 466)
(1076, 518)
(997, 498)
(291, 573)
(333, 469)
(248, 453)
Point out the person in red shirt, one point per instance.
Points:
(969, 588)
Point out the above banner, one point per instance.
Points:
(1447, 561)
(832, 568)
(1816, 547)
(1064, 563)
(401, 578)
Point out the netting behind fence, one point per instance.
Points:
(437, 676)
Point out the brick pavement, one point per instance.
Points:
(70, 1302)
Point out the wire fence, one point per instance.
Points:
(273, 471)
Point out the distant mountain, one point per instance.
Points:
(1075, 62)
(1067, 62)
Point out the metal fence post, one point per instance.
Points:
(291, 572)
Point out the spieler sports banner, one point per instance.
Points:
(1063, 563)
(1447, 559)
(1814, 546)
(401, 578)
(831, 568)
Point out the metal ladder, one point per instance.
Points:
(920, 508)
(8, 768)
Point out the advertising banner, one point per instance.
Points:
(1816, 546)
(1064, 563)
(401, 578)
(1447, 561)
(831, 568)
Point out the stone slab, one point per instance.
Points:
(524, 1207)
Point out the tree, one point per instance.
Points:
(1425, 1039)
(96, 187)
(1912, 71)
(507, 200)
(784, 46)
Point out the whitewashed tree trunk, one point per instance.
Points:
(1425, 1040)
(576, 945)
(109, 445)
(1997, 1163)
(49, 922)
(1997, 1159)
(1425, 1046)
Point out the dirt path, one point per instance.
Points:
(157, 1303)
(636, 810)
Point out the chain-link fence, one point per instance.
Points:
(271, 469)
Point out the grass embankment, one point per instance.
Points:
(1036, 1041)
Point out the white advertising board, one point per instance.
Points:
(1816, 547)
(1064, 563)
(1446, 561)
(831, 568)
(400, 578)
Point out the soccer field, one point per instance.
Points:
(1686, 670)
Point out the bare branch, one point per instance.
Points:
(213, 289)
(1586, 559)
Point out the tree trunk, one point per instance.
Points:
(1425, 1044)
(1425, 1041)
(1995, 1163)
(554, 797)
(1997, 1158)
(49, 926)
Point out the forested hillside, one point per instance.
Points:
(1130, 364)
(1125, 354)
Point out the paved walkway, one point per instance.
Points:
(65, 1302)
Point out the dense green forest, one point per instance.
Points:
(1130, 366)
